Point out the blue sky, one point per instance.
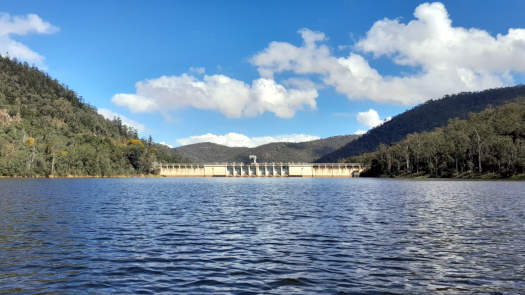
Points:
(250, 72)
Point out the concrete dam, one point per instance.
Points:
(261, 170)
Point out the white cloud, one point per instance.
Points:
(444, 59)
(166, 144)
(231, 97)
(233, 139)
(370, 119)
(448, 59)
(108, 114)
(22, 25)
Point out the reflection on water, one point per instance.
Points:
(273, 236)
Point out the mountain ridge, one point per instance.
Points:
(271, 152)
(425, 117)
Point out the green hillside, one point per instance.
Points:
(490, 142)
(426, 117)
(207, 152)
(46, 129)
(272, 152)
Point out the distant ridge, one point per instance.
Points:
(425, 117)
(272, 152)
(208, 152)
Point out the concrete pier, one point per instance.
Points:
(261, 170)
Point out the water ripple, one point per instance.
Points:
(252, 236)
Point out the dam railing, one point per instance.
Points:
(267, 169)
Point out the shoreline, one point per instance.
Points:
(82, 176)
(483, 177)
(519, 177)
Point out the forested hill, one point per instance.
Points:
(488, 144)
(271, 152)
(208, 152)
(47, 130)
(426, 117)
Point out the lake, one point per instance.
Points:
(261, 235)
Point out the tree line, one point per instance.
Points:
(491, 142)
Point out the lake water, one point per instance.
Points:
(260, 235)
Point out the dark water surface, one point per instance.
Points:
(271, 236)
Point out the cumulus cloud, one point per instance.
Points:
(448, 59)
(370, 119)
(108, 114)
(233, 139)
(22, 25)
(229, 96)
(360, 132)
(444, 58)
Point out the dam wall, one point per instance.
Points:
(260, 170)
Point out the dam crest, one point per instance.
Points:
(260, 170)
